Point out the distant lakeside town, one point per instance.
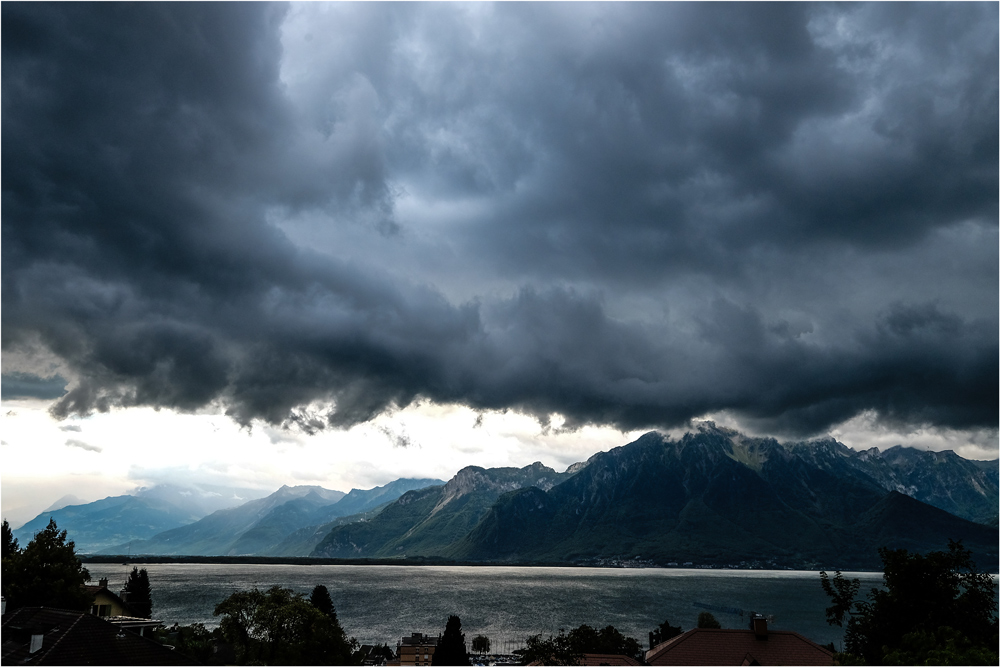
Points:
(441, 562)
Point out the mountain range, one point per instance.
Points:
(426, 522)
(119, 519)
(717, 497)
(261, 526)
(712, 497)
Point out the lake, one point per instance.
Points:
(379, 604)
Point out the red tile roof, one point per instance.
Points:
(704, 646)
(77, 638)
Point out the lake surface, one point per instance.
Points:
(379, 604)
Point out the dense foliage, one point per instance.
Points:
(139, 593)
(707, 620)
(280, 627)
(568, 648)
(451, 648)
(935, 608)
(663, 632)
(194, 641)
(45, 573)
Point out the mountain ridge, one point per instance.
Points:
(715, 495)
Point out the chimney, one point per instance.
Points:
(36, 643)
(760, 628)
(103, 583)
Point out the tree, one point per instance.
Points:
(451, 649)
(280, 627)
(842, 592)
(662, 633)
(11, 554)
(707, 620)
(10, 546)
(139, 594)
(194, 641)
(46, 573)
(481, 644)
(932, 607)
(320, 598)
(551, 651)
(586, 639)
(568, 649)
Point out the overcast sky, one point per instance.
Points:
(350, 242)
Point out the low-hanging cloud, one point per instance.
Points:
(627, 215)
(28, 385)
(87, 447)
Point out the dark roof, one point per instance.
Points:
(607, 659)
(77, 638)
(704, 646)
(597, 659)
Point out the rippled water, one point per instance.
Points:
(382, 603)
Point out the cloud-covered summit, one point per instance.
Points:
(624, 214)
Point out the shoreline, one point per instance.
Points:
(417, 561)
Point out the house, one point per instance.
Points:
(46, 636)
(113, 608)
(758, 646)
(417, 649)
(105, 602)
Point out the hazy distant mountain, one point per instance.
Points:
(215, 534)
(120, 519)
(265, 526)
(716, 496)
(109, 521)
(65, 501)
(364, 500)
(302, 541)
(429, 520)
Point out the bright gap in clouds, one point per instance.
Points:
(45, 459)
(118, 452)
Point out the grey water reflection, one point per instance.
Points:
(382, 603)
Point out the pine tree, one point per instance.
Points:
(10, 546)
(11, 554)
(140, 593)
(46, 573)
(451, 649)
(320, 598)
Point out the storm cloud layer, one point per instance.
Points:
(624, 214)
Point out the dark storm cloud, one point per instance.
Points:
(679, 202)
